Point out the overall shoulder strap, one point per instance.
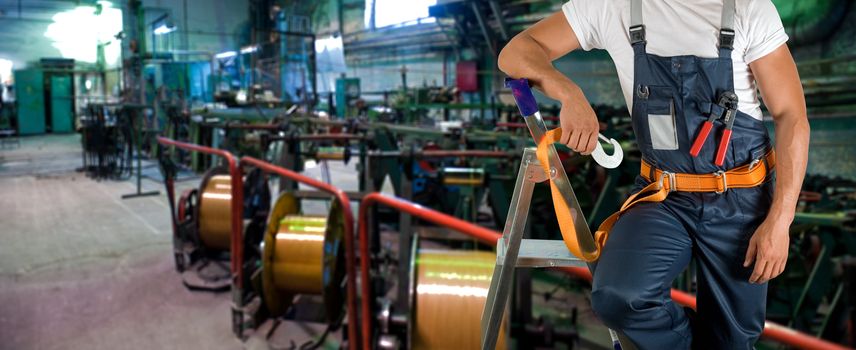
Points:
(637, 28)
(726, 28)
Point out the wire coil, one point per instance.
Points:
(450, 292)
(303, 254)
(215, 210)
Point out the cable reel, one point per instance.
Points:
(186, 236)
(448, 290)
(303, 255)
(215, 209)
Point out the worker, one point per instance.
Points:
(689, 71)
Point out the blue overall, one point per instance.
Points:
(652, 243)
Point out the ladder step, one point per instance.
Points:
(540, 253)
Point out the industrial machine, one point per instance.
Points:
(45, 97)
(106, 140)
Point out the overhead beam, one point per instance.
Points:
(497, 13)
(483, 25)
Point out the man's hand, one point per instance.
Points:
(530, 55)
(579, 124)
(768, 248)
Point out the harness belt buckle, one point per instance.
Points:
(721, 174)
(726, 38)
(637, 33)
(673, 183)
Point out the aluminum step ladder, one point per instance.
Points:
(512, 250)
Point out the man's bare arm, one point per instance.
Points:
(782, 92)
(530, 55)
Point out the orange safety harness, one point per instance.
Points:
(661, 184)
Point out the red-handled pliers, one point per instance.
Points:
(728, 101)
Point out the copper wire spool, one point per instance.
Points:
(298, 261)
(463, 176)
(215, 209)
(330, 153)
(450, 290)
(303, 255)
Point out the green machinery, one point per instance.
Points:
(30, 92)
(347, 91)
(812, 294)
(45, 98)
(61, 103)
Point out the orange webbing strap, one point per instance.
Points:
(563, 210)
(746, 176)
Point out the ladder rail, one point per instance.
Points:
(500, 286)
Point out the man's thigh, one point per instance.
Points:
(647, 248)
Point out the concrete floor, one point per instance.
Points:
(81, 268)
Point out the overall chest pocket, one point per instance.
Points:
(660, 110)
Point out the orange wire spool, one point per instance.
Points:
(449, 289)
(303, 254)
(215, 209)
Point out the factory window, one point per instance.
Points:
(5, 71)
(397, 12)
(79, 32)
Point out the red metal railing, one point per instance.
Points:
(772, 330)
(237, 202)
(349, 235)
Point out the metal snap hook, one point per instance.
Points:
(604, 160)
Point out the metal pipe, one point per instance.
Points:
(439, 30)
(511, 125)
(444, 154)
(330, 137)
(483, 26)
(497, 13)
(772, 331)
(272, 127)
(351, 289)
(390, 30)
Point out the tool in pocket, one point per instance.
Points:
(728, 102)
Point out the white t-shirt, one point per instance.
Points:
(680, 27)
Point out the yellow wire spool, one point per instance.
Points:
(450, 293)
(331, 153)
(215, 210)
(303, 255)
(453, 176)
(299, 254)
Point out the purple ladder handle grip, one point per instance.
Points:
(522, 95)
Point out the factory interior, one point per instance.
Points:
(351, 174)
